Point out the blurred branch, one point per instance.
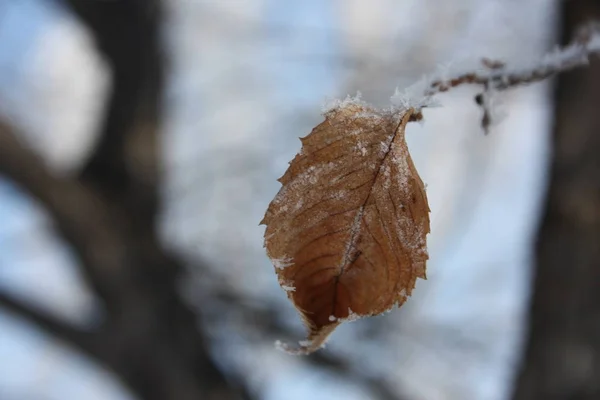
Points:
(58, 328)
(263, 317)
(151, 338)
(80, 217)
(498, 77)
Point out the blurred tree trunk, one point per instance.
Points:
(562, 356)
(149, 337)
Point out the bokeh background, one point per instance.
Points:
(175, 119)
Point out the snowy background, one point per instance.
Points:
(247, 79)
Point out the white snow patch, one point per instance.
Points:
(361, 148)
(387, 177)
(308, 177)
(279, 345)
(356, 131)
(415, 96)
(399, 158)
(369, 113)
(352, 316)
(341, 194)
(332, 318)
(281, 263)
(269, 236)
(299, 205)
(336, 104)
(354, 230)
(384, 147)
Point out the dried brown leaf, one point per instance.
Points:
(347, 230)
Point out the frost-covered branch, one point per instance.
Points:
(497, 76)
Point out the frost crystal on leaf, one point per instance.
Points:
(352, 316)
(361, 148)
(281, 263)
(334, 104)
